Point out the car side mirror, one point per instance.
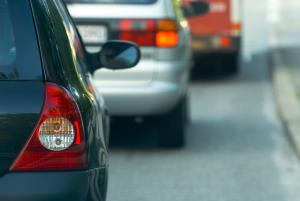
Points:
(195, 8)
(115, 55)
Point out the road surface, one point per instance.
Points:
(237, 149)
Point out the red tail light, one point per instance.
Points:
(225, 42)
(57, 142)
(138, 31)
(150, 32)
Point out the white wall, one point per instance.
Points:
(284, 22)
(255, 27)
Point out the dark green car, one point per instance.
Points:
(53, 123)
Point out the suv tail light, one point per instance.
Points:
(166, 35)
(57, 142)
(150, 32)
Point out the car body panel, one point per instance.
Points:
(157, 98)
(87, 185)
(20, 106)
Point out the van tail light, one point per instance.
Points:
(236, 29)
(225, 42)
(57, 142)
(150, 32)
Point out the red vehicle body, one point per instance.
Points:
(217, 33)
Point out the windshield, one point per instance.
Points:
(113, 1)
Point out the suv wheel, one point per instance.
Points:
(172, 126)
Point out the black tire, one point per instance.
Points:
(172, 127)
(187, 110)
(231, 63)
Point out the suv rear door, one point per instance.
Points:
(110, 15)
(21, 79)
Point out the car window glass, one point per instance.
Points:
(7, 42)
(7, 38)
(19, 56)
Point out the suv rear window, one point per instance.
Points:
(113, 1)
(19, 58)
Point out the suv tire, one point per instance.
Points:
(172, 126)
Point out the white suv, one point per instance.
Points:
(158, 85)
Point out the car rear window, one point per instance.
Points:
(113, 1)
(19, 58)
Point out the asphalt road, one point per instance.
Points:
(236, 148)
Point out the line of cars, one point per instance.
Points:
(156, 88)
(59, 83)
(53, 122)
(173, 36)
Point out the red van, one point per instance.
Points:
(217, 33)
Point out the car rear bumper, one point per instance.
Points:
(161, 94)
(211, 44)
(142, 101)
(58, 186)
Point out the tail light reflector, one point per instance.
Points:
(57, 142)
(150, 32)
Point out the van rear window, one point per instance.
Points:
(19, 58)
(113, 1)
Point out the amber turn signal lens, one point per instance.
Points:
(166, 25)
(166, 39)
(236, 27)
